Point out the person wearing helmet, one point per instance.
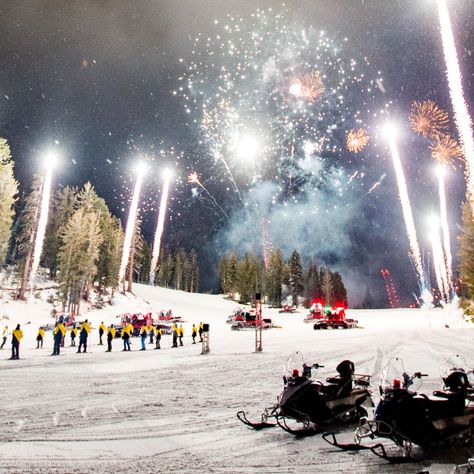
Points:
(158, 338)
(84, 331)
(17, 335)
(102, 330)
(58, 334)
(110, 337)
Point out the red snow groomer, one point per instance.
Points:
(287, 308)
(316, 312)
(137, 320)
(238, 315)
(248, 320)
(168, 316)
(335, 318)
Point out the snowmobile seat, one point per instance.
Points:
(338, 385)
(446, 403)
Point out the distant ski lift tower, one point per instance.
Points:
(390, 288)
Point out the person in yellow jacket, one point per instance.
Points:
(4, 336)
(40, 338)
(110, 337)
(58, 333)
(143, 334)
(17, 335)
(175, 335)
(181, 334)
(84, 332)
(158, 338)
(201, 328)
(194, 333)
(102, 330)
(151, 332)
(126, 334)
(73, 335)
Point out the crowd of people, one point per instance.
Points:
(148, 332)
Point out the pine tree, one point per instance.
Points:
(166, 269)
(327, 287)
(63, 205)
(339, 290)
(273, 279)
(295, 277)
(8, 192)
(26, 237)
(248, 277)
(231, 276)
(312, 287)
(180, 260)
(466, 248)
(194, 278)
(223, 269)
(78, 255)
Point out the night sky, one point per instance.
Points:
(97, 77)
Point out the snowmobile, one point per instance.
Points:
(409, 418)
(312, 403)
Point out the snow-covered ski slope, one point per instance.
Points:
(174, 410)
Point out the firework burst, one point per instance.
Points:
(445, 149)
(310, 87)
(258, 65)
(193, 178)
(357, 140)
(427, 119)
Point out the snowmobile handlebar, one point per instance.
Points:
(419, 375)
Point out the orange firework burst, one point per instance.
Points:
(194, 178)
(427, 119)
(357, 139)
(445, 148)
(309, 87)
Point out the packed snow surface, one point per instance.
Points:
(173, 410)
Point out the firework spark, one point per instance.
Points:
(448, 259)
(193, 178)
(132, 217)
(461, 113)
(438, 259)
(427, 119)
(445, 148)
(43, 218)
(309, 87)
(406, 207)
(357, 140)
(167, 174)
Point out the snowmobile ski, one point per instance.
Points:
(256, 426)
(300, 432)
(380, 451)
(344, 446)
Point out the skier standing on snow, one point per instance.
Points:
(200, 331)
(158, 338)
(143, 335)
(126, 337)
(58, 334)
(102, 330)
(17, 334)
(73, 335)
(83, 335)
(181, 334)
(151, 332)
(40, 338)
(4, 335)
(194, 333)
(110, 337)
(175, 335)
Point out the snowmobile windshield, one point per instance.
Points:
(394, 376)
(456, 363)
(296, 369)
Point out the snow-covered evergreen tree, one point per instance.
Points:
(8, 192)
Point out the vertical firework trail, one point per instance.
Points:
(438, 262)
(160, 224)
(406, 208)
(461, 113)
(132, 217)
(266, 243)
(43, 220)
(448, 259)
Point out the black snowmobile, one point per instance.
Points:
(312, 403)
(410, 418)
